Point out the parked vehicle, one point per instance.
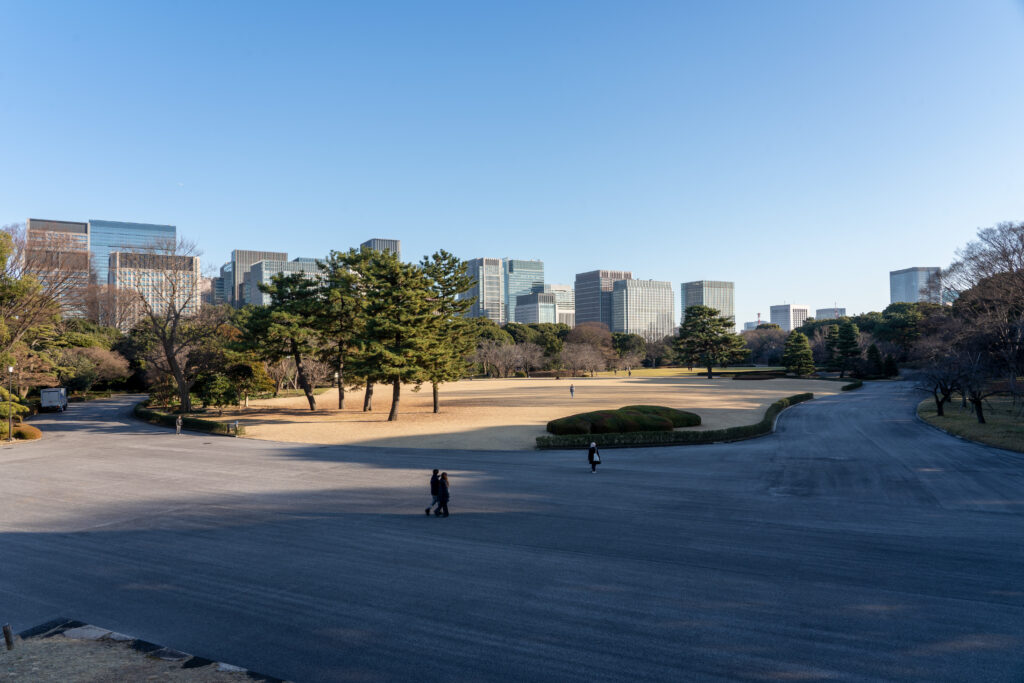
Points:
(54, 398)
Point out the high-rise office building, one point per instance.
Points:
(715, 294)
(263, 272)
(911, 285)
(536, 307)
(381, 244)
(57, 254)
(521, 278)
(752, 325)
(149, 281)
(789, 316)
(593, 292)
(488, 276)
(106, 237)
(241, 261)
(644, 307)
(829, 313)
(565, 303)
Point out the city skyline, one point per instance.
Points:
(482, 130)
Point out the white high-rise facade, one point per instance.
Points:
(789, 316)
(906, 285)
(644, 307)
(565, 303)
(716, 294)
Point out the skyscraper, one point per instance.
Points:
(110, 236)
(242, 260)
(262, 273)
(789, 316)
(829, 313)
(536, 307)
(488, 277)
(153, 281)
(593, 292)
(521, 278)
(715, 294)
(57, 253)
(565, 303)
(644, 307)
(906, 285)
(381, 244)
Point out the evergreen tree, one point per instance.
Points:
(847, 347)
(397, 336)
(285, 327)
(452, 339)
(704, 339)
(340, 319)
(831, 354)
(874, 358)
(797, 357)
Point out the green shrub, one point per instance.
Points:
(676, 438)
(852, 385)
(191, 423)
(679, 418)
(624, 420)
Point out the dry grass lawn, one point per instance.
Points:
(1002, 429)
(506, 414)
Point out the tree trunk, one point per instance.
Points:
(341, 379)
(434, 385)
(368, 397)
(396, 394)
(938, 404)
(978, 410)
(300, 374)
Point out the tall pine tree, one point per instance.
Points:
(797, 357)
(452, 339)
(704, 339)
(340, 319)
(847, 347)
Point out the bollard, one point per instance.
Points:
(8, 637)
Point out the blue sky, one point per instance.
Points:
(800, 149)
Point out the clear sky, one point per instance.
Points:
(800, 149)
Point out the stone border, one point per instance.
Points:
(80, 630)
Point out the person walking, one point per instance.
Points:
(593, 457)
(572, 391)
(433, 492)
(177, 426)
(442, 496)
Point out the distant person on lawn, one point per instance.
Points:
(433, 491)
(593, 457)
(572, 391)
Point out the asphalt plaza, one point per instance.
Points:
(854, 544)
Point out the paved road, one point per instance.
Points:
(854, 544)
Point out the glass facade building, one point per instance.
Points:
(106, 237)
(57, 253)
(906, 285)
(521, 278)
(241, 261)
(829, 313)
(488, 276)
(262, 272)
(565, 303)
(381, 244)
(537, 307)
(593, 295)
(715, 294)
(644, 307)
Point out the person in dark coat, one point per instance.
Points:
(593, 457)
(433, 491)
(572, 391)
(442, 496)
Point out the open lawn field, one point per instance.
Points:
(506, 414)
(1003, 428)
(682, 372)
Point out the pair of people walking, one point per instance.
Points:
(439, 494)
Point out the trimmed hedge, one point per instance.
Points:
(674, 438)
(761, 374)
(193, 424)
(624, 420)
(851, 386)
(679, 418)
(27, 432)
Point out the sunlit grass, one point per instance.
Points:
(1002, 427)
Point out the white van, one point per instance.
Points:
(55, 398)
